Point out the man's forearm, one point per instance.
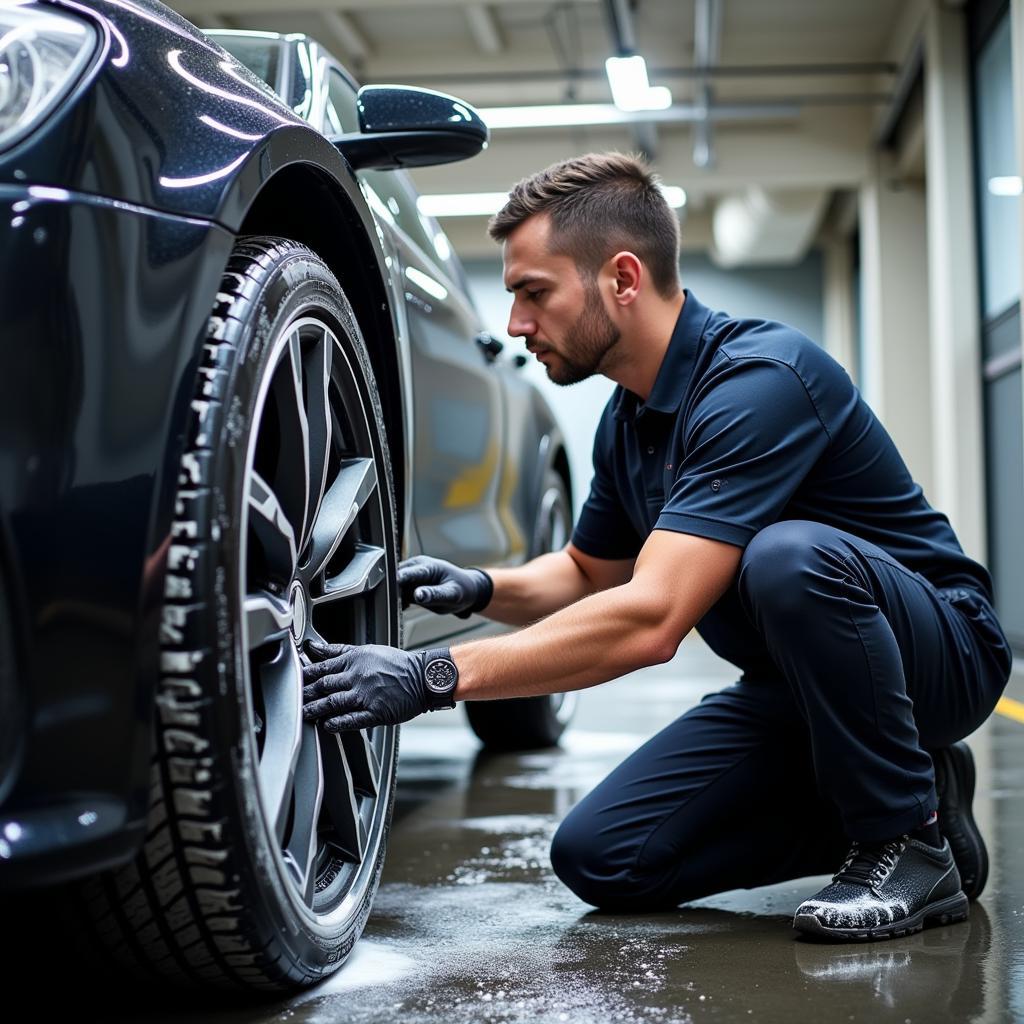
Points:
(529, 592)
(593, 640)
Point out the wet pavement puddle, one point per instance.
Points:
(471, 926)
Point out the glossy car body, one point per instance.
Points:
(117, 216)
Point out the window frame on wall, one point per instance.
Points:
(1002, 350)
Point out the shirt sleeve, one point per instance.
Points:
(603, 529)
(751, 441)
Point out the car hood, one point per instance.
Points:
(164, 118)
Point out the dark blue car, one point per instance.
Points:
(240, 379)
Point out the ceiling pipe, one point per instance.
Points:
(720, 71)
(484, 27)
(620, 26)
(707, 40)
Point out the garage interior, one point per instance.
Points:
(851, 169)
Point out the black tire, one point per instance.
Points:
(531, 723)
(266, 835)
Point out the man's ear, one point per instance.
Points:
(629, 275)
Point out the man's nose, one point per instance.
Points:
(521, 326)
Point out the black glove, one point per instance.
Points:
(357, 687)
(444, 588)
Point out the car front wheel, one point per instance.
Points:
(266, 834)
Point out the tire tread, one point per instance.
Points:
(172, 913)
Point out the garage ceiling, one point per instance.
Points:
(826, 69)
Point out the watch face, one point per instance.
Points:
(441, 675)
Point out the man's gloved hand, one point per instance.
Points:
(357, 687)
(444, 588)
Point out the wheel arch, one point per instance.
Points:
(552, 452)
(303, 202)
(560, 464)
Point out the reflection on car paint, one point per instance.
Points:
(203, 179)
(227, 130)
(174, 59)
(470, 487)
(427, 283)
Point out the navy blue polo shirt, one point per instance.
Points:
(750, 422)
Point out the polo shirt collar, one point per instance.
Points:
(676, 366)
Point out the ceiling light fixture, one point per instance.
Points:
(461, 204)
(484, 204)
(1007, 185)
(575, 115)
(631, 90)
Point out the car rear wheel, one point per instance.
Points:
(529, 723)
(266, 834)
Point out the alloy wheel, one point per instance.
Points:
(315, 567)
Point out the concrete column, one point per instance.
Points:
(895, 331)
(839, 304)
(953, 280)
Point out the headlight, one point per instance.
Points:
(42, 54)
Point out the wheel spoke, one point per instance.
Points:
(273, 531)
(351, 490)
(291, 478)
(341, 801)
(300, 851)
(281, 680)
(313, 495)
(362, 761)
(267, 618)
(363, 573)
(318, 377)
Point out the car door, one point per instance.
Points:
(458, 444)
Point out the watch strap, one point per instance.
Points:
(440, 677)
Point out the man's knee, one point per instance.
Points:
(590, 870)
(780, 565)
(577, 861)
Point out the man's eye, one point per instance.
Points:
(535, 294)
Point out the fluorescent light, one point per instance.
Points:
(631, 90)
(462, 204)
(574, 115)
(628, 78)
(658, 98)
(553, 115)
(483, 204)
(1009, 185)
(674, 195)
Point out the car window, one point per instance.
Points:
(340, 112)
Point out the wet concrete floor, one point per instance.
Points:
(471, 925)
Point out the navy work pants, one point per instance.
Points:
(866, 666)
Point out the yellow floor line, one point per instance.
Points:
(1011, 709)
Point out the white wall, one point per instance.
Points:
(791, 294)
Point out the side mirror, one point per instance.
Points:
(400, 126)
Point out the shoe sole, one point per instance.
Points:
(958, 767)
(947, 911)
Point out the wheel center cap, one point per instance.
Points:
(299, 615)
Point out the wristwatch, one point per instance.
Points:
(441, 677)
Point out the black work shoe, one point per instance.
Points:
(884, 890)
(954, 782)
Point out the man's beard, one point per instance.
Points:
(586, 342)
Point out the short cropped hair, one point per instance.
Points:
(600, 204)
